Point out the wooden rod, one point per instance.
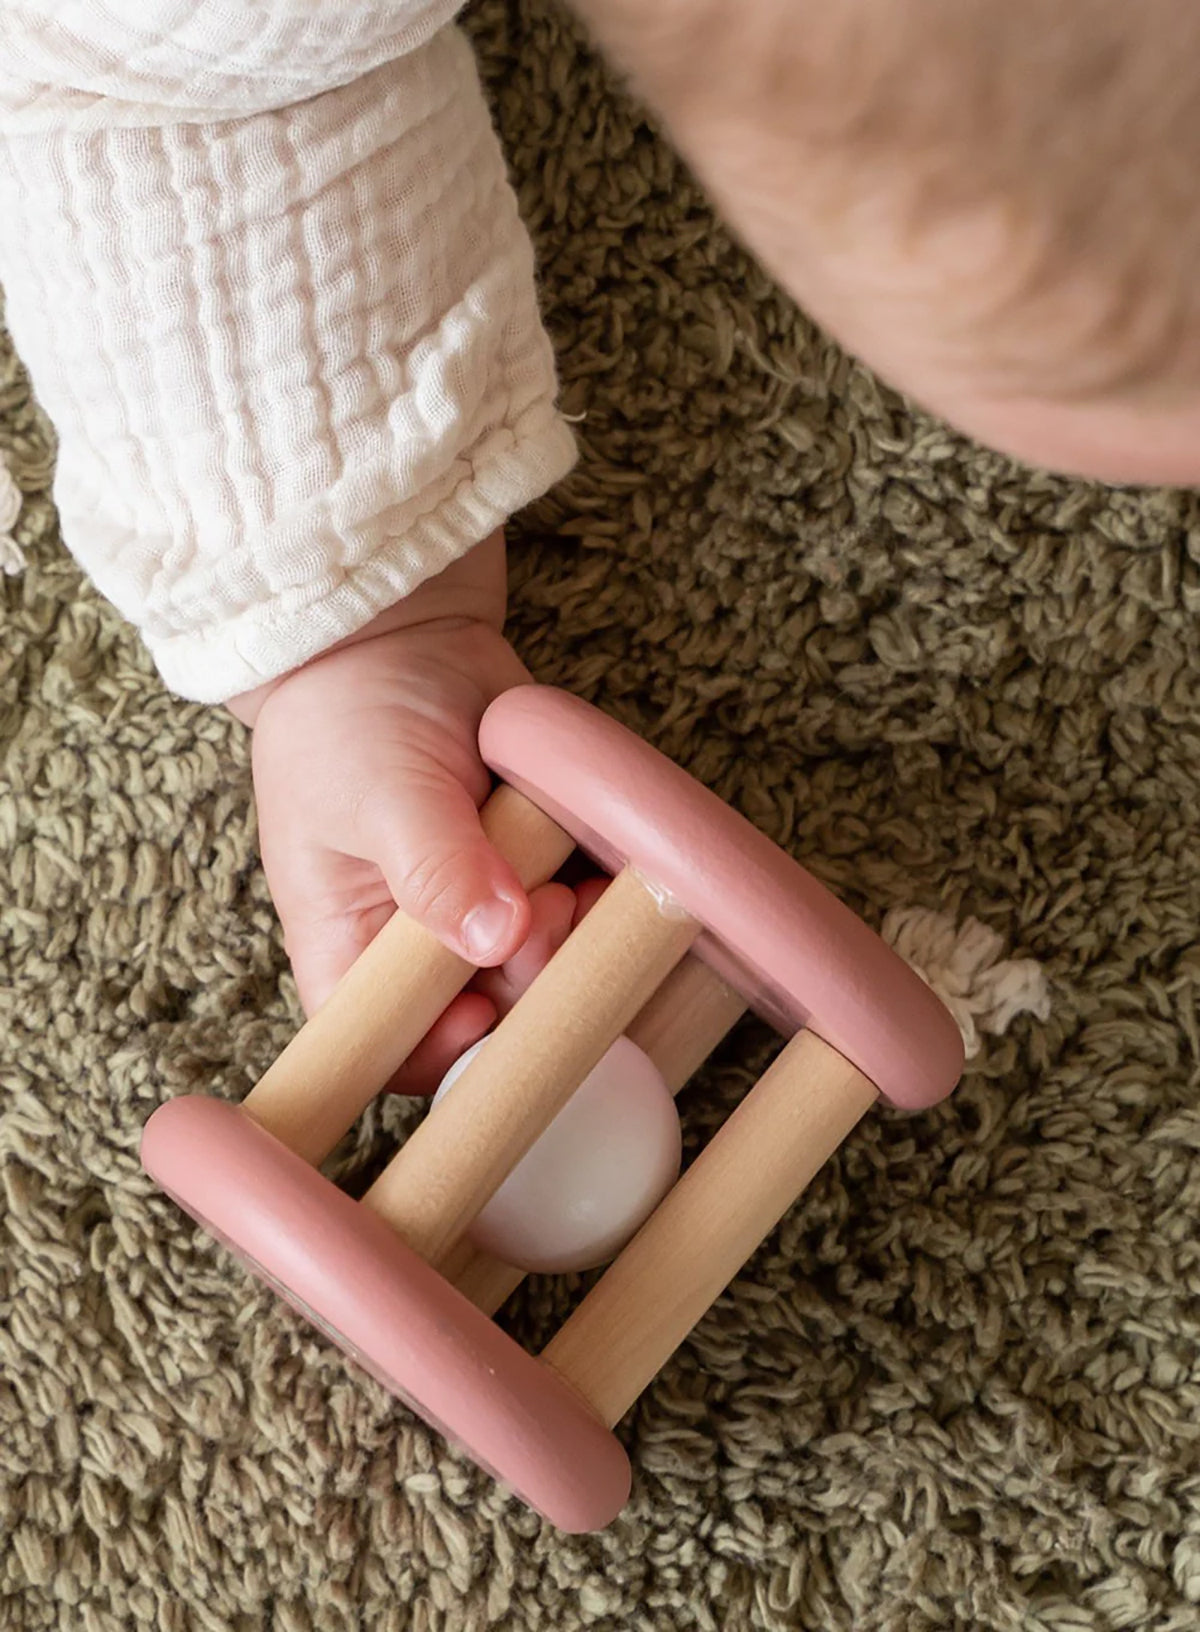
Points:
(386, 1002)
(541, 1051)
(692, 1011)
(488, 1282)
(705, 1229)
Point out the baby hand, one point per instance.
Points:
(368, 778)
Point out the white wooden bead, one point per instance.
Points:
(595, 1175)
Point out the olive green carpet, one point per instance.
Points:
(960, 1386)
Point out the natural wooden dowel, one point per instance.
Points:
(705, 1229)
(454, 1163)
(488, 1282)
(692, 1011)
(386, 1002)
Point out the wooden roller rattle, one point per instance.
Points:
(704, 917)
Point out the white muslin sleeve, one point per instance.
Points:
(266, 270)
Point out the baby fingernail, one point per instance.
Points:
(484, 928)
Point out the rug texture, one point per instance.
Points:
(960, 1385)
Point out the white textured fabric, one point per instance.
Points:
(965, 965)
(267, 273)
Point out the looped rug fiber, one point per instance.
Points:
(960, 1385)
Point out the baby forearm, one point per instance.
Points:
(308, 372)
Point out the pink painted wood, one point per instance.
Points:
(343, 1269)
(773, 931)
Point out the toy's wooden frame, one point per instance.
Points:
(671, 954)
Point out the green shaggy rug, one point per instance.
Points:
(960, 1386)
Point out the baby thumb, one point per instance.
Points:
(426, 838)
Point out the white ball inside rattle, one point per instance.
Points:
(594, 1176)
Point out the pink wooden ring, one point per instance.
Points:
(342, 1268)
(771, 930)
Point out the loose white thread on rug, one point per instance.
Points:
(12, 556)
(963, 964)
